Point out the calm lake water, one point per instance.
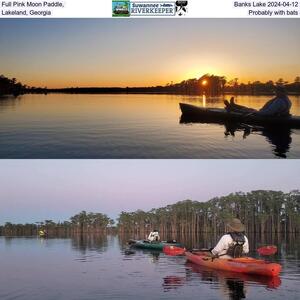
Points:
(131, 126)
(103, 268)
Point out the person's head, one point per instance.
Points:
(155, 230)
(280, 91)
(235, 225)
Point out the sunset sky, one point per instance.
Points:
(145, 52)
(34, 190)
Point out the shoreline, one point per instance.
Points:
(119, 91)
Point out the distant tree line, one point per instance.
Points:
(261, 88)
(80, 223)
(261, 211)
(211, 85)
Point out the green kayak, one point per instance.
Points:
(143, 244)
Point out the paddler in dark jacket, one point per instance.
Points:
(234, 243)
(279, 106)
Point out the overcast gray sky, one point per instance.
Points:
(33, 190)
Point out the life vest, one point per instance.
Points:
(236, 248)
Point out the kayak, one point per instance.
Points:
(42, 233)
(192, 113)
(245, 265)
(142, 244)
(271, 282)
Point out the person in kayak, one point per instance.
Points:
(279, 106)
(154, 236)
(42, 232)
(234, 243)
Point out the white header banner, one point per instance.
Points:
(152, 9)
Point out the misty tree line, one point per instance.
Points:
(261, 212)
(82, 222)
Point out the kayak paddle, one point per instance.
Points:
(267, 250)
(173, 250)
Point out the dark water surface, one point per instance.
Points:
(103, 268)
(131, 126)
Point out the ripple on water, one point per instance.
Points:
(103, 269)
(130, 126)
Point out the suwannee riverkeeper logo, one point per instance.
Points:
(126, 8)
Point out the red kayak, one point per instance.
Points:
(245, 265)
(271, 282)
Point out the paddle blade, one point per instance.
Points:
(267, 250)
(173, 250)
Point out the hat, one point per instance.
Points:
(236, 225)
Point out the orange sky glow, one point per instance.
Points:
(147, 52)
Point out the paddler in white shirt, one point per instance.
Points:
(154, 236)
(233, 244)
